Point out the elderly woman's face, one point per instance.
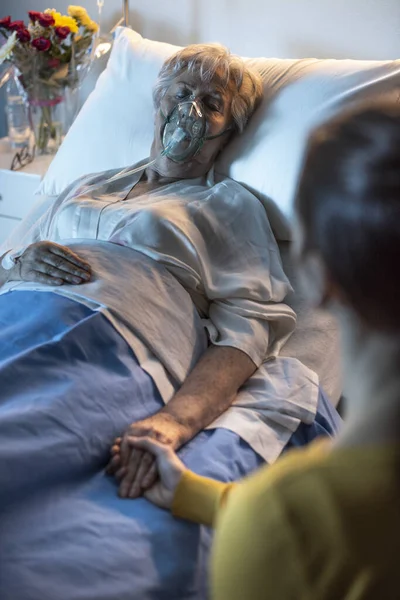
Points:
(216, 103)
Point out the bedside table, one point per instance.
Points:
(17, 188)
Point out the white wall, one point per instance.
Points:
(364, 29)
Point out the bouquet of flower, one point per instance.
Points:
(50, 53)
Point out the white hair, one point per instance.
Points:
(215, 62)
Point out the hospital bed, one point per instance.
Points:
(133, 550)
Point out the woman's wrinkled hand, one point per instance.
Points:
(136, 468)
(51, 264)
(169, 468)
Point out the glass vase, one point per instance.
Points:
(49, 120)
(17, 113)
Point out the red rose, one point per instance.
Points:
(46, 20)
(62, 32)
(34, 15)
(16, 25)
(23, 35)
(5, 23)
(41, 44)
(53, 63)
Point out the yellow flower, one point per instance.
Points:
(63, 21)
(81, 15)
(56, 15)
(92, 27)
(69, 22)
(78, 12)
(84, 20)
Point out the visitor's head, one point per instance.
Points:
(348, 216)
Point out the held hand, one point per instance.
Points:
(169, 467)
(134, 467)
(52, 264)
(170, 470)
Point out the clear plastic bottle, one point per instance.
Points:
(17, 112)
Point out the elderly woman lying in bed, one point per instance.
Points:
(181, 263)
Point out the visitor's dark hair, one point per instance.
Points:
(348, 201)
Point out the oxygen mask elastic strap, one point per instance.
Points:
(182, 136)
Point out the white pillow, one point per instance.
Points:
(115, 125)
(298, 95)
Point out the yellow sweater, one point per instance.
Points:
(317, 525)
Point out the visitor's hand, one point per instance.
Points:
(170, 469)
(135, 468)
(52, 264)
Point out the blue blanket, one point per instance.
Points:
(69, 384)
